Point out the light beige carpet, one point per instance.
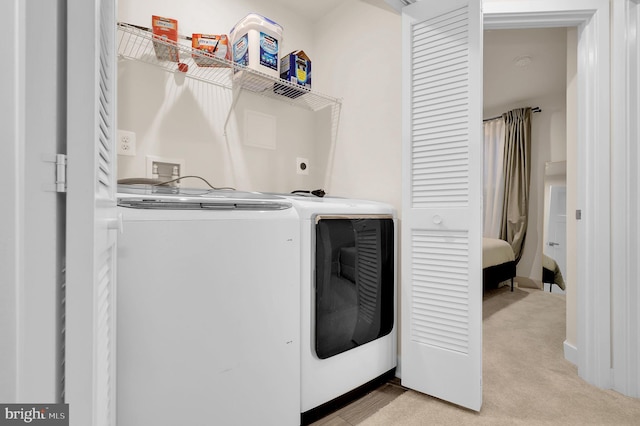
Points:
(527, 381)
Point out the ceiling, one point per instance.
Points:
(316, 9)
(310, 9)
(506, 82)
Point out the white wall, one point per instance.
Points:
(360, 60)
(355, 52)
(184, 119)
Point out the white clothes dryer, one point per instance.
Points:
(207, 308)
(348, 298)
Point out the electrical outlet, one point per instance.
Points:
(163, 168)
(126, 143)
(302, 166)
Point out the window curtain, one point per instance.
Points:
(493, 185)
(517, 173)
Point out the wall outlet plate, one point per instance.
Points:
(164, 167)
(126, 143)
(302, 166)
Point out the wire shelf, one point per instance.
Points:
(137, 43)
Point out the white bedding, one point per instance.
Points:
(496, 252)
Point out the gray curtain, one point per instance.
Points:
(517, 173)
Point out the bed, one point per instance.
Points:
(498, 263)
(551, 272)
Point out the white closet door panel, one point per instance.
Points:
(442, 201)
(91, 213)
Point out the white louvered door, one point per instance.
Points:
(91, 213)
(442, 200)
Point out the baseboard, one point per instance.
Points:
(570, 353)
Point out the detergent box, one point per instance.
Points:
(210, 46)
(296, 68)
(165, 30)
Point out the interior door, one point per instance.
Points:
(442, 200)
(91, 212)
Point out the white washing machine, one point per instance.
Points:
(348, 298)
(208, 293)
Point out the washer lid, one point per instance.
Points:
(171, 198)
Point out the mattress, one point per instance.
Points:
(496, 252)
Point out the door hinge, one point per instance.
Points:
(60, 161)
(61, 173)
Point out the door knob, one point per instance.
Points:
(551, 244)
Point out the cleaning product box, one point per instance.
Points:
(166, 31)
(210, 46)
(255, 44)
(294, 68)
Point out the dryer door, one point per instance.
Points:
(354, 298)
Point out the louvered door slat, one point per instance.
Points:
(430, 62)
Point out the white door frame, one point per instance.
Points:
(12, 171)
(91, 231)
(625, 229)
(32, 217)
(593, 167)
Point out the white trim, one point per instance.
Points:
(539, 14)
(11, 173)
(91, 210)
(625, 88)
(593, 231)
(29, 328)
(592, 19)
(397, 5)
(570, 353)
(80, 375)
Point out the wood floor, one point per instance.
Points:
(360, 409)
